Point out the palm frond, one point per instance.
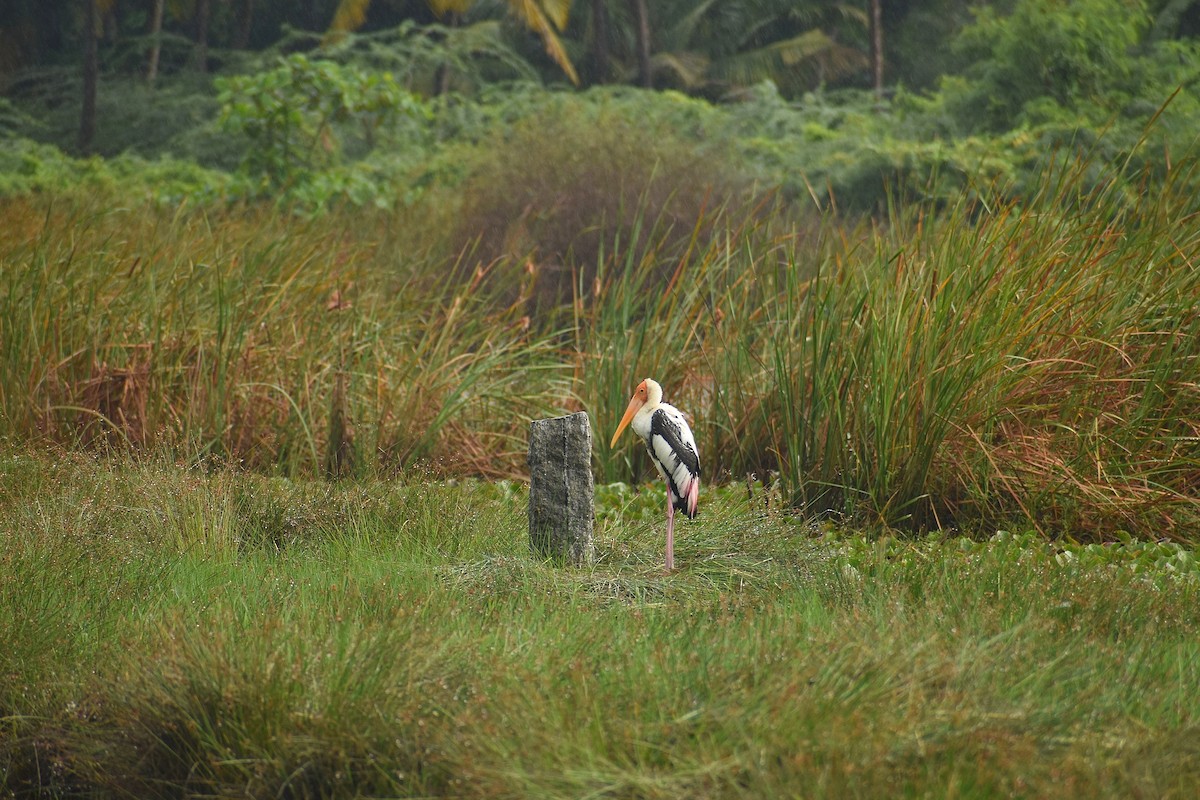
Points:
(688, 68)
(680, 34)
(349, 16)
(444, 7)
(790, 60)
(544, 17)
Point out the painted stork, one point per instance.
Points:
(672, 449)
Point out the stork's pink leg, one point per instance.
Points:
(670, 533)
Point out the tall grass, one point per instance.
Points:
(264, 340)
(952, 368)
(1033, 359)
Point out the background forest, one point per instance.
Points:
(331, 100)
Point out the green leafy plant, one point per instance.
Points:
(1070, 55)
(298, 116)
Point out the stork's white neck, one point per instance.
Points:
(653, 393)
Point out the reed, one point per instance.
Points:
(258, 339)
(1027, 358)
(955, 368)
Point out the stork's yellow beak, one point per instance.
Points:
(635, 404)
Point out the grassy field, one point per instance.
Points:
(178, 633)
(262, 510)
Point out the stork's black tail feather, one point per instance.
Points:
(688, 503)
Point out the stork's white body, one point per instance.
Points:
(672, 448)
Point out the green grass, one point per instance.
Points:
(176, 632)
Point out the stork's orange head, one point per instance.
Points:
(640, 396)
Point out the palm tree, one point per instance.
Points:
(91, 77)
(877, 46)
(156, 21)
(715, 45)
(202, 16)
(544, 17)
(641, 16)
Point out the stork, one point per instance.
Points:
(672, 449)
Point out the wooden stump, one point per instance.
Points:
(561, 502)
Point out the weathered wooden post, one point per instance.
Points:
(561, 502)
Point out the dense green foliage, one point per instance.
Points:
(294, 119)
(362, 117)
(1068, 56)
(241, 636)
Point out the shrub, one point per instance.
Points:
(299, 116)
(1072, 55)
(585, 179)
(27, 167)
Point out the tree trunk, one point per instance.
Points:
(156, 20)
(245, 19)
(600, 58)
(312, 15)
(109, 24)
(443, 74)
(91, 77)
(203, 7)
(642, 18)
(877, 47)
